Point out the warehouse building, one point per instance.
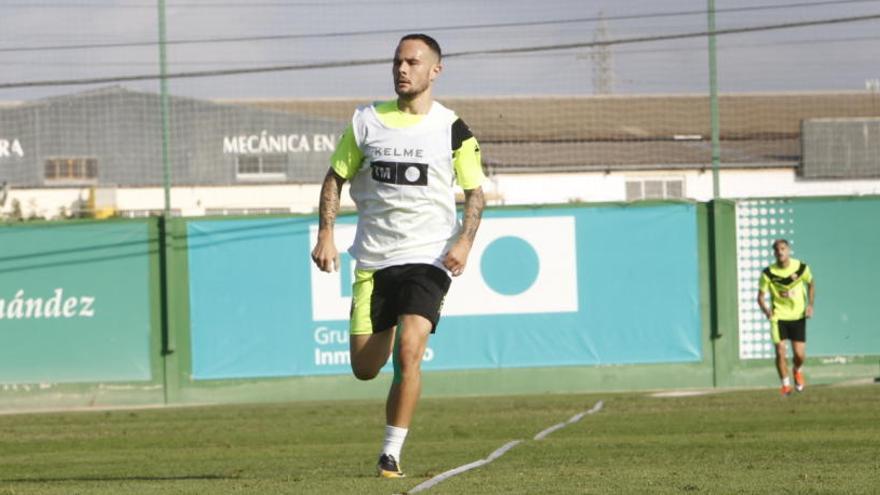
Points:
(103, 149)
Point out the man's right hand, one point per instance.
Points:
(325, 255)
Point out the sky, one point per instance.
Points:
(37, 36)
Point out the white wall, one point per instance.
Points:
(784, 182)
(512, 189)
(46, 203)
(517, 189)
(189, 201)
(521, 189)
(196, 201)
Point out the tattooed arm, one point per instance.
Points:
(456, 258)
(325, 254)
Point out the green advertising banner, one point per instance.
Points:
(75, 303)
(839, 239)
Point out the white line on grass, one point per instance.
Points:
(683, 393)
(574, 419)
(467, 467)
(499, 452)
(102, 408)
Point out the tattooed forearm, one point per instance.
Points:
(473, 211)
(329, 203)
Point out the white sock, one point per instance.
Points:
(786, 382)
(394, 438)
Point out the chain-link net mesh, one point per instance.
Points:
(259, 93)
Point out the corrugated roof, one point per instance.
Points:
(522, 134)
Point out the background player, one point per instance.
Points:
(788, 315)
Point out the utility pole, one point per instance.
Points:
(163, 99)
(713, 103)
(603, 63)
(170, 376)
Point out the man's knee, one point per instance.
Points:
(407, 371)
(411, 347)
(369, 353)
(409, 362)
(364, 373)
(364, 365)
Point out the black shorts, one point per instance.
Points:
(794, 330)
(413, 289)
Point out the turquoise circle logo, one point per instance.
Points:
(510, 265)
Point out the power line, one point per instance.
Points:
(202, 62)
(817, 41)
(152, 6)
(385, 60)
(668, 37)
(306, 3)
(339, 34)
(851, 39)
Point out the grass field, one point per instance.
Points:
(826, 440)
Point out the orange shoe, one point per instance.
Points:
(799, 382)
(786, 390)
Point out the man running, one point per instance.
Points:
(402, 158)
(785, 280)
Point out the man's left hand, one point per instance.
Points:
(809, 311)
(456, 258)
